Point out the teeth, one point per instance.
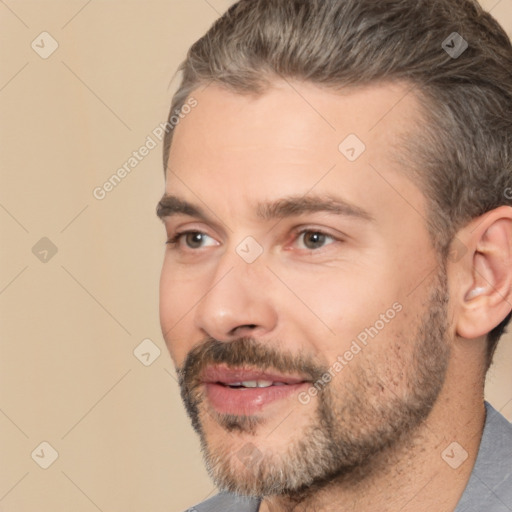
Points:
(256, 383)
(250, 383)
(264, 383)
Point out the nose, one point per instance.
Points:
(238, 302)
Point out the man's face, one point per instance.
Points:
(304, 310)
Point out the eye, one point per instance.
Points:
(314, 239)
(192, 239)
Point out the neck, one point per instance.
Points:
(420, 473)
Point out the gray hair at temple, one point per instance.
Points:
(461, 153)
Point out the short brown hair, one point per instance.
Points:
(463, 154)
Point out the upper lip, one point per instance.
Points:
(227, 375)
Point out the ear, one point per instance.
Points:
(484, 292)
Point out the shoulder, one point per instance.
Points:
(490, 485)
(227, 502)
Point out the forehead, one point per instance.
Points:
(293, 138)
(299, 109)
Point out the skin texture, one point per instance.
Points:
(390, 412)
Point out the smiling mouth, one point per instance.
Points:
(254, 384)
(243, 391)
(247, 377)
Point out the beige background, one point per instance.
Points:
(69, 325)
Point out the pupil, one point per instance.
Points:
(313, 240)
(194, 239)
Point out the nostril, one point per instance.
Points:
(236, 330)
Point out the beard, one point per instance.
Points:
(377, 402)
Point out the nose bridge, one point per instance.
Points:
(237, 295)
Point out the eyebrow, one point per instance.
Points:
(290, 206)
(171, 205)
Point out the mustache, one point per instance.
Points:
(244, 352)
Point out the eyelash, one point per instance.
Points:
(175, 239)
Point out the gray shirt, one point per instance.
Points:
(489, 487)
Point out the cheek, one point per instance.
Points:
(347, 312)
(337, 301)
(177, 299)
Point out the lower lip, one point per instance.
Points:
(247, 401)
